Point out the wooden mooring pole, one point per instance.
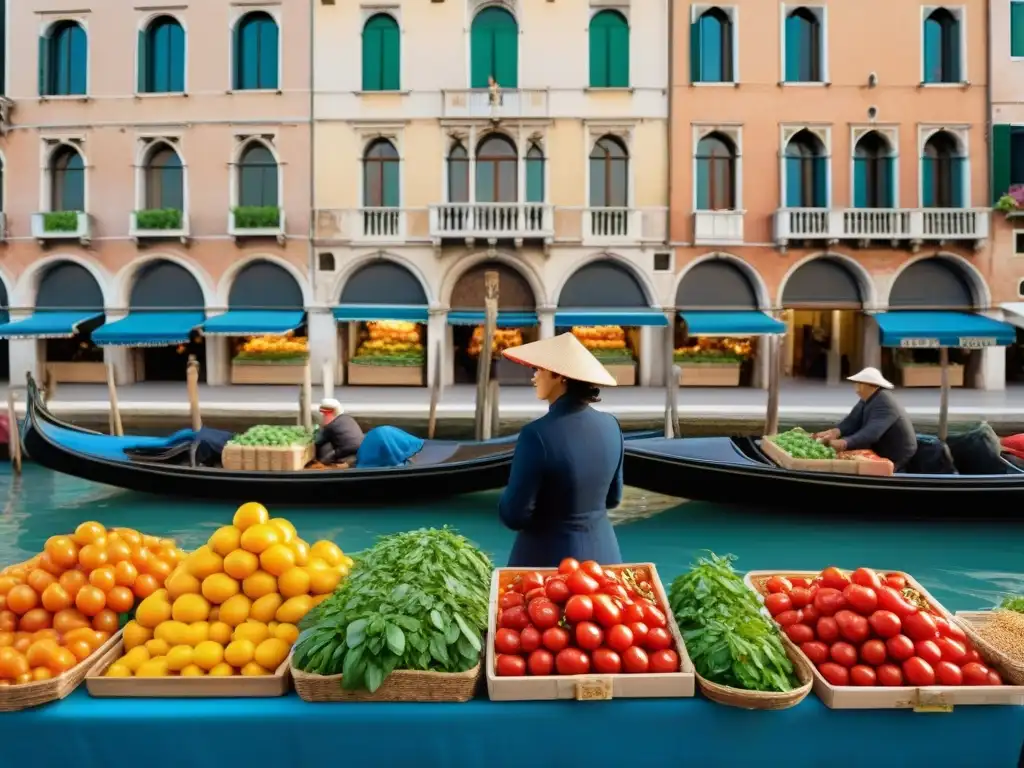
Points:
(435, 392)
(486, 359)
(115, 410)
(13, 433)
(192, 381)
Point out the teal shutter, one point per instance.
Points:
(956, 181)
(695, 52)
(176, 58)
(391, 56)
(1001, 158)
(703, 184)
(794, 183)
(389, 193)
(494, 49)
(268, 54)
(381, 54)
(1016, 28)
(927, 183)
(143, 62)
(860, 182)
(373, 56)
(932, 51)
(481, 55)
(506, 56)
(793, 49)
(618, 51)
(44, 65)
(535, 180)
(485, 182)
(79, 50)
(599, 53)
(236, 56)
(954, 54)
(819, 195)
(886, 182)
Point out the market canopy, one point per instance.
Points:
(254, 322)
(68, 296)
(646, 316)
(506, 318)
(931, 330)
(361, 313)
(1015, 312)
(605, 293)
(149, 329)
(48, 324)
(735, 323)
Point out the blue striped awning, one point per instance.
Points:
(628, 316)
(747, 322)
(47, 325)
(150, 329)
(244, 322)
(506, 319)
(943, 329)
(361, 313)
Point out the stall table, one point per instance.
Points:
(97, 733)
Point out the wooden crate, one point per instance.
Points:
(267, 373)
(289, 458)
(591, 686)
(709, 374)
(930, 375)
(234, 687)
(386, 375)
(623, 373)
(78, 373)
(784, 460)
(932, 698)
(231, 456)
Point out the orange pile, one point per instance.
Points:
(63, 604)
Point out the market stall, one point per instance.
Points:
(714, 347)
(513, 329)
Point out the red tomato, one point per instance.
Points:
(863, 600)
(557, 591)
(828, 600)
(799, 633)
(530, 580)
(834, 673)
(896, 580)
(891, 600)
(507, 641)
(975, 673)
(658, 639)
(619, 638)
(654, 616)
(555, 639)
(530, 639)
(581, 583)
(919, 672)
(862, 675)
(592, 569)
(827, 629)
(511, 600)
(541, 662)
(972, 655)
(606, 662)
(951, 630)
(799, 596)
(800, 581)
(533, 594)
(928, 650)
(606, 612)
(778, 602)
(900, 648)
(843, 654)
(632, 612)
(611, 575)
(789, 617)
(810, 614)
(639, 630)
(919, 626)
(994, 678)
(886, 624)
(873, 653)
(664, 661)
(568, 565)
(851, 626)
(889, 675)
(952, 650)
(635, 660)
(816, 651)
(510, 666)
(515, 618)
(778, 584)
(947, 673)
(572, 661)
(615, 590)
(865, 577)
(834, 578)
(544, 614)
(579, 608)
(588, 635)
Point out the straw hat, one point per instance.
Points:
(871, 376)
(330, 405)
(564, 355)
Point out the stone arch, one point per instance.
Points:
(605, 266)
(126, 278)
(518, 268)
(954, 268)
(24, 290)
(515, 291)
(752, 276)
(868, 295)
(353, 266)
(227, 280)
(383, 282)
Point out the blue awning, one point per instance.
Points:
(505, 319)
(943, 329)
(47, 325)
(150, 329)
(745, 322)
(361, 313)
(629, 316)
(244, 322)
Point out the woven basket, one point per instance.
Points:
(400, 685)
(737, 697)
(970, 622)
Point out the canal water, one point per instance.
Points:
(966, 564)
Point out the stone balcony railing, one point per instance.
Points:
(718, 227)
(506, 103)
(911, 225)
(491, 221)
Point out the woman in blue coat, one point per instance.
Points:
(567, 469)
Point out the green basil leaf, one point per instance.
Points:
(355, 633)
(396, 639)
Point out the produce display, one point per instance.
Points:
(606, 342)
(415, 601)
(268, 435)
(710, 351)
(503, 339)
(233, 606)
(871, 629)
(729, 639)
(800, 444)
(584, 618)
(391, 342)
(58, 608)
(1005, 631)
(273, 349)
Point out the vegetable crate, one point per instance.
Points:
(289, 458)
(973, 621)
(784, 460)
(593, 686)
(934, 698)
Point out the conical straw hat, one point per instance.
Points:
(564, 355)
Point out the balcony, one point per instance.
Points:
(897, 225)
(255, 222)
(53, 226)
(159, 225)
(718, 227)
(504, 103)
(491, 222)
(363, 225)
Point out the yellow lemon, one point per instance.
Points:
(255, 631)
(204, 562)
(240, 564)
(252, 669)
(272, 625)
(179, 657)
(173, 632)
(222, 670)
(271, 652)
(293, 609)
(285, 528)
(260, 538)
(220, 632)
(117, 670)
(301, 550)
(348, 562)
(327, 551)
(322, 581)
(266, 607)
(135, 658)
(277, 559)
(225, 539)
(181, 582)
(250, 514)
(214, 614)
(293, 582)
(153, 611)
(191, 608)
(208, 655)
(157, 647)
(152, 668)
(235, 610)
(192, 670)
(197, 633)
(317, 599)
(135, 634)
(239, 653)
(218, 588)
(259, 584)
(287, 632)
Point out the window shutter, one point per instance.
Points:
(506, 54)
(176, 59)
(44, 65)
(390, 193)
(236, 56)
(887, 167)
(268, 55)
(820, 180)
(1016, 28)
(927, 183)
(618, 52)
(481, 53)
(599, 55)
(860, 182)
(932, 51)
(695, 52)
(535, 180)
(794, 53)
(1002, 159)
(391, 56)
(143, 62)
(794, 183)
(703, 184)
(79, 56)
(372, 55)
(956, 181)
(955, 45)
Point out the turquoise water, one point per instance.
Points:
(964, 564)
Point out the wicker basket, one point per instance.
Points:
(737, 697)
(970, 621)
(400, 685)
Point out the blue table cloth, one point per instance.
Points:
(170, 733)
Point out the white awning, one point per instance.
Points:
(1014, 312)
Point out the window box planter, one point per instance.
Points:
(159, 224)
(62, 225)
(927, 375)
(252, 221)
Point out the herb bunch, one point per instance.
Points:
(415, 601)
(730, 641)
(1013, 603)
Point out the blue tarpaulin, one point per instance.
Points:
(244, 322)
(150, 329)
(505, 319)
(628, 316)
(361, 313)
(943, 329)
(746, 322)
(48, 325)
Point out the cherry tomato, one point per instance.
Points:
(900, 648)
(886, 624)
(948, 673)
(891, 600)
(827, 629)
(799, 597)
(928, 650)
(568, 565)
(588, 635)
(510, 666)
(579, 608)
(592, 569)
(778, 584)
(557, 591)
(951, 630)
(919, 672)
(786, 618)
(530, 639)
(639, 630)
(834, 673)
(611, 576)
(994, 678)
(865, 577)
(889, 675)
(664, 661)
(606, 662)
(810, 614)
(778, 602)
(617, 591)
(800, 581)
(896, 580)
(632, 612)
(852, 627)
(862, 675)
(619, 638)
(873, 653)
(541, 662)
(533, 594)
(862, 599)
(816, 651)
(530, 580)
(544, 614)
(799, 633)
(658, 639)
(972, 655)
(515, 618)
(572, 661)
(975, 673)
(654, 616)
(919, 626)
(952, 650)
(511, 600)
(828, 600)
(834, 578)
(555, 639)
(507, 641)
(606, 612)
(581, 583)
(635, 660)
(843, 654)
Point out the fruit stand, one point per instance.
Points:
(507, 371)
(387, 352)
(712, 362)
(613, 346)
(269, 359)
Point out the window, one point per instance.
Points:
(941, 47)
(803, 47)
(1018, 243)
(873, 166)
(458, 174)
(609, 50)
(256, 52)
(494, 49)
(1017, 28)
(257, 177)
(63, 60)
(806, 169)
(534, 174)
(1007, 161)
(67, 180)
(380, 175)
(711, 48)
(162, 57)
(942, 172)
(497, 170)
(716, 173)
(381, 54)
(609, 174)
(164, 181)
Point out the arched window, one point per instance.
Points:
(256, 52)
(494, 49)
(941, 47)
(381, 53)
(534, 174)
(67, 180)
(806, 171)
(257, 177)
(63, 60)
(609, 174)
(162, 57)
(609, 50)
(380, 175)
(164, 182)
(803, 47)
(716, 173)
(872, 172)
(458, 174)
(496, 170)
(942, 173)
(711, 47)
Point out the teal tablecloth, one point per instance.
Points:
(218, 733)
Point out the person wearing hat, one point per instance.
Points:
(567, 468)
(877, 422)
(339, 437)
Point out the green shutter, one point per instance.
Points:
(506, 57)
(956, 181)
(176, 60)
(268, 54)
(372, 58)
(927, 183)
(1017, 28)
(389, 194)
(793, 51)
(535, 180)
(886, 168)
(494, 49)
(794, 183)
(1001, 160)
(236, 56)
(954, 50)
(820, 192)
(703, 184)
(391, 56)
(481, 55)
(932, 52)
(618, 52)
(44, 62)
(860, 182)
(695, 52)
(143, 60)
(598, 54)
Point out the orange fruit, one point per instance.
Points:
(41, 673)
(62, 551)
(69, 619)
(241, 564)
(61, 661)
(22, 641)
(92, 556)
(43, 634)
(44, 563)
(80, 649)
(8, 621)
(100, 638)
(82, 634)
(225, 540)
(39, 580)
(249, 514)
(34, 620)
(145, 585)
(140, 558)
(327, 551)
(22, 599)
(6, 639)
(118, 551)
(56, 598)
(133, 537)
(12, 663)
(301, 550)
(120, 599)
(259, 584)
(219, 587)
(277, 559)
(125, 573)
(7, 583)
(159, 568)
(285, 528)
(90, 600)
(105, 621)
(260, 538)
(204, 562)
(294, 582)
(322, 581)
(103, 578)
(89, 533)
(72, 581)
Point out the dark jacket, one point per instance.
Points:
(881, 425)
(339, 440)
(566, 473)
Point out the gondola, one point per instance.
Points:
(736, 471)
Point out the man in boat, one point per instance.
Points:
(339, 436)
(877, 422)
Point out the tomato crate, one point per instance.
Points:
(591, 686)
(932, 698)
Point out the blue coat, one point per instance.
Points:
(566, 473)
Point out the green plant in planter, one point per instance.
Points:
(257, 217)
(60, 221)
(158, 218)
(708, 357)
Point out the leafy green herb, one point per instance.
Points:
(257, 217)
(273, 435)
(158, 218)
(802, 445)
(729, 639)
(1013, 603)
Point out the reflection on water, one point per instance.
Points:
(964, 564)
